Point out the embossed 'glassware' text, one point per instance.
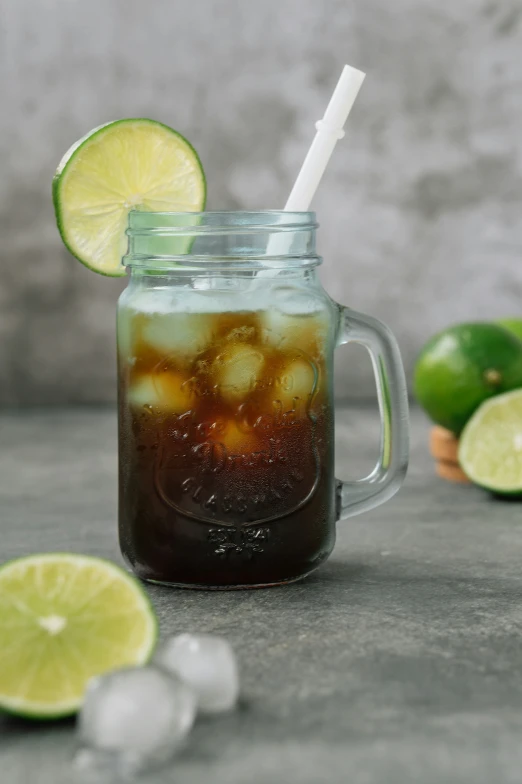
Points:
(226, 401)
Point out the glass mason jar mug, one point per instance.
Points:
(226, 414)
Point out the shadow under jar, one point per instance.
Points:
(226, 418)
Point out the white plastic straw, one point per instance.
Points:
(329, 131)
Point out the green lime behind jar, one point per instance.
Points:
(464, 365)
(513, 325)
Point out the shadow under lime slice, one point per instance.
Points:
(65, 618)
(128, 164)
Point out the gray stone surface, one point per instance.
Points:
(420, 207)
(398, 662)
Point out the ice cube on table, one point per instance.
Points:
(135, 718)
(207, 664)
(236, 371)
(164, 390)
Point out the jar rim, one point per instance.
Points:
(203, 264)
(272, 220)
(227, 239)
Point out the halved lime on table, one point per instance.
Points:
(65, 618)
(490, 449)
(127, 164)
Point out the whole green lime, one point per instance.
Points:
(514, 325)
(461, 367)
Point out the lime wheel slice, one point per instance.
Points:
(127, 164)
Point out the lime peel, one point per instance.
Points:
(65, 618)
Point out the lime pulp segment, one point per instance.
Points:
(490, 450)
(65, 618)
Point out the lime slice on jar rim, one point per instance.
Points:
(490, 447)
(123, 165)
(66, 618)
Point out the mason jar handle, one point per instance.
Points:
(388, 475)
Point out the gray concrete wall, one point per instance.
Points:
(420, 209)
